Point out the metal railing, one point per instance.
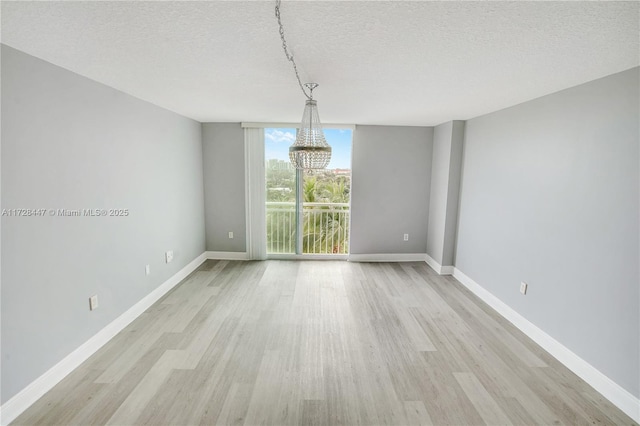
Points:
(325, 228)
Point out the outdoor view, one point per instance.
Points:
(325, 193)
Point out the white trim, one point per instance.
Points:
(295, 126)
(447, 270)
(227, 255)
(390, 257)
(442, 270)
(619, 396)
(30, 394)
(432, 262)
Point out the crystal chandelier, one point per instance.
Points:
(310, 150)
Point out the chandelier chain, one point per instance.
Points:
(289, 55)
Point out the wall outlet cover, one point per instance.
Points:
(523, 287)
(168, 256)
(93, 303)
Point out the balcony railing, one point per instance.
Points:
(325, 228)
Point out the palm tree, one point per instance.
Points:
(310, 189)
(325, 227)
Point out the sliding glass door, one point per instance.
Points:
(307, 211)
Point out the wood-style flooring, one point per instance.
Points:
(321, 342)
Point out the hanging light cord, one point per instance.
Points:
(290, 56)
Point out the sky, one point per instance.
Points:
(278, 141)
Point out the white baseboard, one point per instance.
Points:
(390, 257)
(447, 270)
(227, 255)
(619, 396)
(27, 396)
(442, 270)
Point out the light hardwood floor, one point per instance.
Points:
(321, 342)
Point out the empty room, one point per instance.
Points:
(290, 212)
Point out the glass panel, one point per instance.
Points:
(280, 182)
(325, 196)
(326, 193)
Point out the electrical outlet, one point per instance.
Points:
(168, 256)
(523, 287)
(406, 237)
(147, 270)
(93, 303)
(230, 234)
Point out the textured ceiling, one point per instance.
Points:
(377, 62)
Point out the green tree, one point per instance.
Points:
(310, 190)
(325, 227)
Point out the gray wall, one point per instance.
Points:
(224, 193)
(69, 142)
(453, 196)
(549, 196)
(445, 191)
(391, 172)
